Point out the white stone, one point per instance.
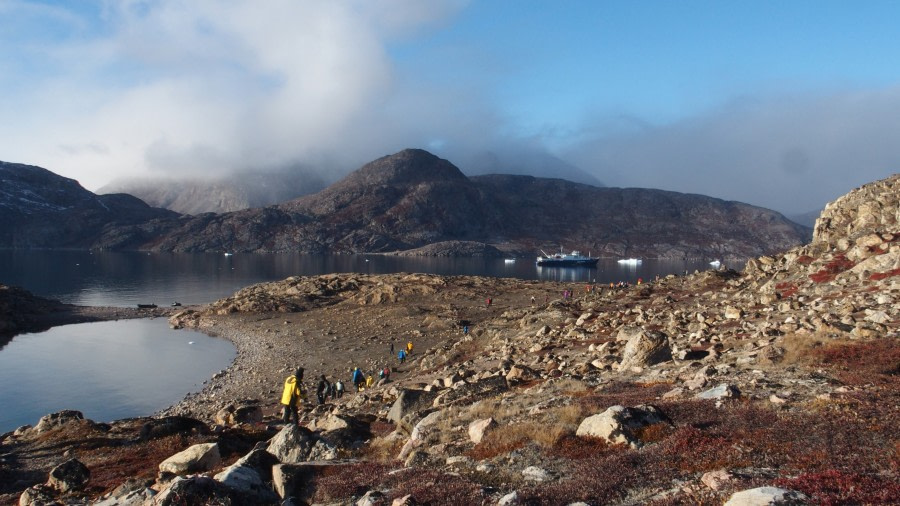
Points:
(197, 458)
(767, 496)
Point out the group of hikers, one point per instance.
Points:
(293, 394)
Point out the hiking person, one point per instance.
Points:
(357, 378)
(465, 330)
(532, 300)
(401, 356)
(392, 348)
(338, 389)
(292, 397)
(409, 348)
(322, 389)
(370, 381)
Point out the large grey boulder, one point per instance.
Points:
(171, 425)
(292, 444)
(197, 490)
(410, 402)
(238, 414)
(468, 393)
(57, 419)
(68, 476)
(420, 434)
(197, 458)
(478, 429)
(619, 424)
(250, 474)
(767, 496)
(644, 348)
(294, 481)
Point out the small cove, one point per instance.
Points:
(106, 370)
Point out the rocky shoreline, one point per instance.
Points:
(776, 385)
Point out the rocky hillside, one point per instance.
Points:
(777, 385)
(413, 198)
(242, 190)
(39, 209)
(404, 201)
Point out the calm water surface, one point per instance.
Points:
(126, 279)
(128, 368)
(106, 370)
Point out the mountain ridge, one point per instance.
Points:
(413, 198)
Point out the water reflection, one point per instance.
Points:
(106, 370)
(129, 278)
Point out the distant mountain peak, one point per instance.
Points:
(409, 166)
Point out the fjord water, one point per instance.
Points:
(106, 370)
(127, 278)
(128, 368)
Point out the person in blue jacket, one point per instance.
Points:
(357, 378)
(401, 356)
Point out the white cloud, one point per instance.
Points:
(791, 153)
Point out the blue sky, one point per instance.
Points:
(781, 104)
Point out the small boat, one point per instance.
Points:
(509, 260)
(715, 263)
(228, 254)
(146, 306)
(573, 259)
(630, 261)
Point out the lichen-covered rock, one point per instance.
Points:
(197, 458)
(645, 348)
(292, 444)
(767, 496)
(68, 476)
(619, 424)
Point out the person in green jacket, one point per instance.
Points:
(292, 396)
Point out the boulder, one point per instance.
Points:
(767, 496)
(721, 392)
(645, 348)
(292, 444)
(295, 480)
(243, 413)
(250, 474)
(171, 425)
(519, 373)
(479, 428)
(38, 495)
(57, 419)
(197, 458)
(68, 476)
(197, 490)
(468, 393)
(619, 424)
(419, 434)
(410, 402)
(534, 473)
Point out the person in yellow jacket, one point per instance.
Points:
(409, 348)
(292, 396)
(370, 381)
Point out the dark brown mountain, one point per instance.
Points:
(40, 209)
(413, 198)
(399, 202)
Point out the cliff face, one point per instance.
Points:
(411, 199)
(39, 209)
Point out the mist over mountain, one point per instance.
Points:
(241, 190)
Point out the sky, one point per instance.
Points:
(786, 105)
